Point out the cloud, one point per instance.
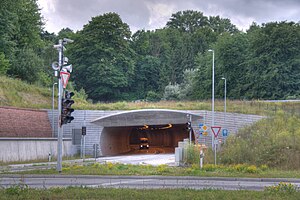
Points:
(152, 14)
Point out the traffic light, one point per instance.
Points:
(188, 126)
(66, 109)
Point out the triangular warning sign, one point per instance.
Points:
(64, 78)
(216, 130)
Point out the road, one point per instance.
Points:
(142, 182)
(141, 159)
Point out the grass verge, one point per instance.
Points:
(164, 170)
(112, 194)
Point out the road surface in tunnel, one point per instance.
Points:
(141, 159)
(155, 155)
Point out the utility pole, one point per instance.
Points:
(58, 67)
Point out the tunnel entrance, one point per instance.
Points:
(163, 129)
(126, 140)
(159, 135)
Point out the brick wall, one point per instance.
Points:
(17, 122)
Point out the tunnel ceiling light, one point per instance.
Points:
(145, 127)
(155, 127)
(166, 127)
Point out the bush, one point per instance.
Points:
(282, 187)
(162, 168)
(153, 96)
(251, 169)
(210, 167)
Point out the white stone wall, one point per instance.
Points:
(23, 149)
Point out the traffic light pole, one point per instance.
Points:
(59, 126)
(61, 70)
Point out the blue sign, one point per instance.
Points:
(201, 124)
(225, 132)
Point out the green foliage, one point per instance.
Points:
(192, 155)
(282, 188)
(151, 194)
(20, 41)
(103, 57)
(273, 142)
(172, 92)
(4, 64)
(153, 96)
(26, 66)
(111, 65)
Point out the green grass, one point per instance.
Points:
(16, 93)
(164, 170)
(143, 194)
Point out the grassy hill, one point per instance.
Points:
(16, 93)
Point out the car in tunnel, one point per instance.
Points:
(144, 144)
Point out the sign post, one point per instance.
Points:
(216, 131)
(62, 83)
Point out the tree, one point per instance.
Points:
(187, 21)
(147, 75)
(27, 65)
(221, 25)
(103, 59)
(4, 64)
(20, 28)
(274, 70)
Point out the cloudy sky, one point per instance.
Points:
(153, 14)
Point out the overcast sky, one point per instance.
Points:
(153, 14)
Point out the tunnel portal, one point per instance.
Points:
(122, 132)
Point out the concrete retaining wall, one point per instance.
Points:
(22, 149)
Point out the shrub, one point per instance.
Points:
(162, 168)
(251, 169)
(209, 167)
(282, 187)
(240, 167)
(109, 165)
(264, 167)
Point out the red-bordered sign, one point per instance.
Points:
(216, 130)
(64, 78)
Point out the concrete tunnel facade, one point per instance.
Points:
(164, 128)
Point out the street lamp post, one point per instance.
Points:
(53, 108)
(224, 98)
(213, 92)
(213, 138)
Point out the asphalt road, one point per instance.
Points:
(142, 182)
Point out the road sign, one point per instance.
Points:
(200, 125)
(64, 78)
(216, 130)
(225, 132)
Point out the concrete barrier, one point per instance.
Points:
(24, 149)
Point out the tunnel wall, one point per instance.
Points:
(114, 141)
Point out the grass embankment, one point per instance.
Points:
(273, 141)
(16, 93)
(208, 170)
(112, 194)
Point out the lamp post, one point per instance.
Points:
(223, 78)
(213, 94)
(53, 108)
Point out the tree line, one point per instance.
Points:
(111, 63)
